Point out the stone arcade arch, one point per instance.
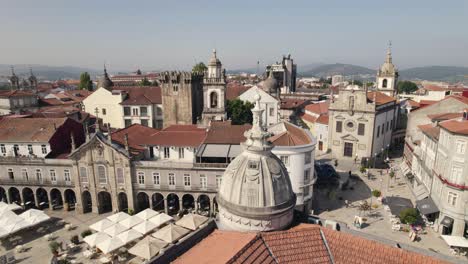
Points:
(173, 206)
(28, 197)
(123, 202)
(3, 195)
(204, 204)
(142, 201)
(104, 202)
(158, 202)
(56, 199)
(87, 202)
(188, 202)
(70, 199)
(42, 198)
(14, 195)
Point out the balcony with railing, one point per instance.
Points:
(36, 182)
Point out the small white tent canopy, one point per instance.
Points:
(101, 225)
(171, 233)
(131, 221)
(129, 235)
(147, 214)
(145, 227)
(34, 216)
(192, 221)
(161, 219)
(110, 244)
(148, 247)
(115, 229)
(118, 217)
(96, 238)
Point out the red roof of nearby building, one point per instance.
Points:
(431, 87)
(430, 130)
(380, 98)
(318, 108)
(179, 136)
(143, 96)
(444, 116)
(323, 119)
(308, 118)
(292, 103)
(234, 90)
(293, 136)
(412, 103)
(226, 133)
(302, 244)
(138, 135)
(423, 103)
(455, 126)
(29, 129)
(15, 93)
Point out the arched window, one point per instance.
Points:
(213, 100)
(102, 174)
(384, 83)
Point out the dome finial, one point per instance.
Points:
(389, 52)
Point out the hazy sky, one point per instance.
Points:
(173, 34)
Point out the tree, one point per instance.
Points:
(199, 67)
(357, 82)
(409, 216)
(406, 87)
(145, 82)
(239, 111)
(85, 82)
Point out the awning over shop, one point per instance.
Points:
(426, 206)
(420, 192)
(398, 204)
(215, 151)
(456, 241)
(447, 221)
(234, 151)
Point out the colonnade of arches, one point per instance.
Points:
(39, 198)
(173, 204)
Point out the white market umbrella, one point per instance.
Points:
(10, 207)
(192, 221)
(131, 221)
(9, 218)
(129, 235)
(101, 225)
(110, 244)
(115, 230)
(3, 232)
(34, 216)
(96, 238)
(161, 219)
(171, 233)
(147, 248)
(17, 226)
(145, 227)
(118, 217)
(2, 204)
(147, 214)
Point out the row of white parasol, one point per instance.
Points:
(121, 229)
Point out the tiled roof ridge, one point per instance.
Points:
(246, 247)
(324, 239)
(269, 250)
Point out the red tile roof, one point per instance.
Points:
(380, 98)
(179, 135)
(456, 126)
(308, 118)
(430, 130)
(29, 129)
(138, 135)
(143, 96)
(427, 102)
(293, 136)
(234, 90)
(15, 93)
(323, 119)
(224, 244)
(413, 104)
(318, 108)
(444, 116)
(226, 133)
(431, 87)
(292, 103)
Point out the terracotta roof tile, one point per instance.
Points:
(292, 103)
(444, 116)
(323, 119)
(430, 130)
(138, 135)
(226, 133)
(456, 126)
(380, 98)
(29, 129)
(308, 118)
(431, 87)
(179, 135)
(15, 93)
(142, 96)
(234, 90)
(292, 136)
(318, 108)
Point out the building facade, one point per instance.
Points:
(285, 73)
(268, 103)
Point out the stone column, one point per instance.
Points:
(196, 205)
(50, 200)
(211, 206)
(36, 201)
(150, 202)
(23, 203)
(180, 204)
(165, 206)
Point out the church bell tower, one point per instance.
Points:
(387, 76)
(214, 91)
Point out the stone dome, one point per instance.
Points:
(256, 192)
(214, 61)
(270, 84)
(388, 67)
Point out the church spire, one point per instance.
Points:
(257, 136)
(388, 59)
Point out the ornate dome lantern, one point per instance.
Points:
(256, 192)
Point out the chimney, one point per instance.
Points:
(127, 147)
